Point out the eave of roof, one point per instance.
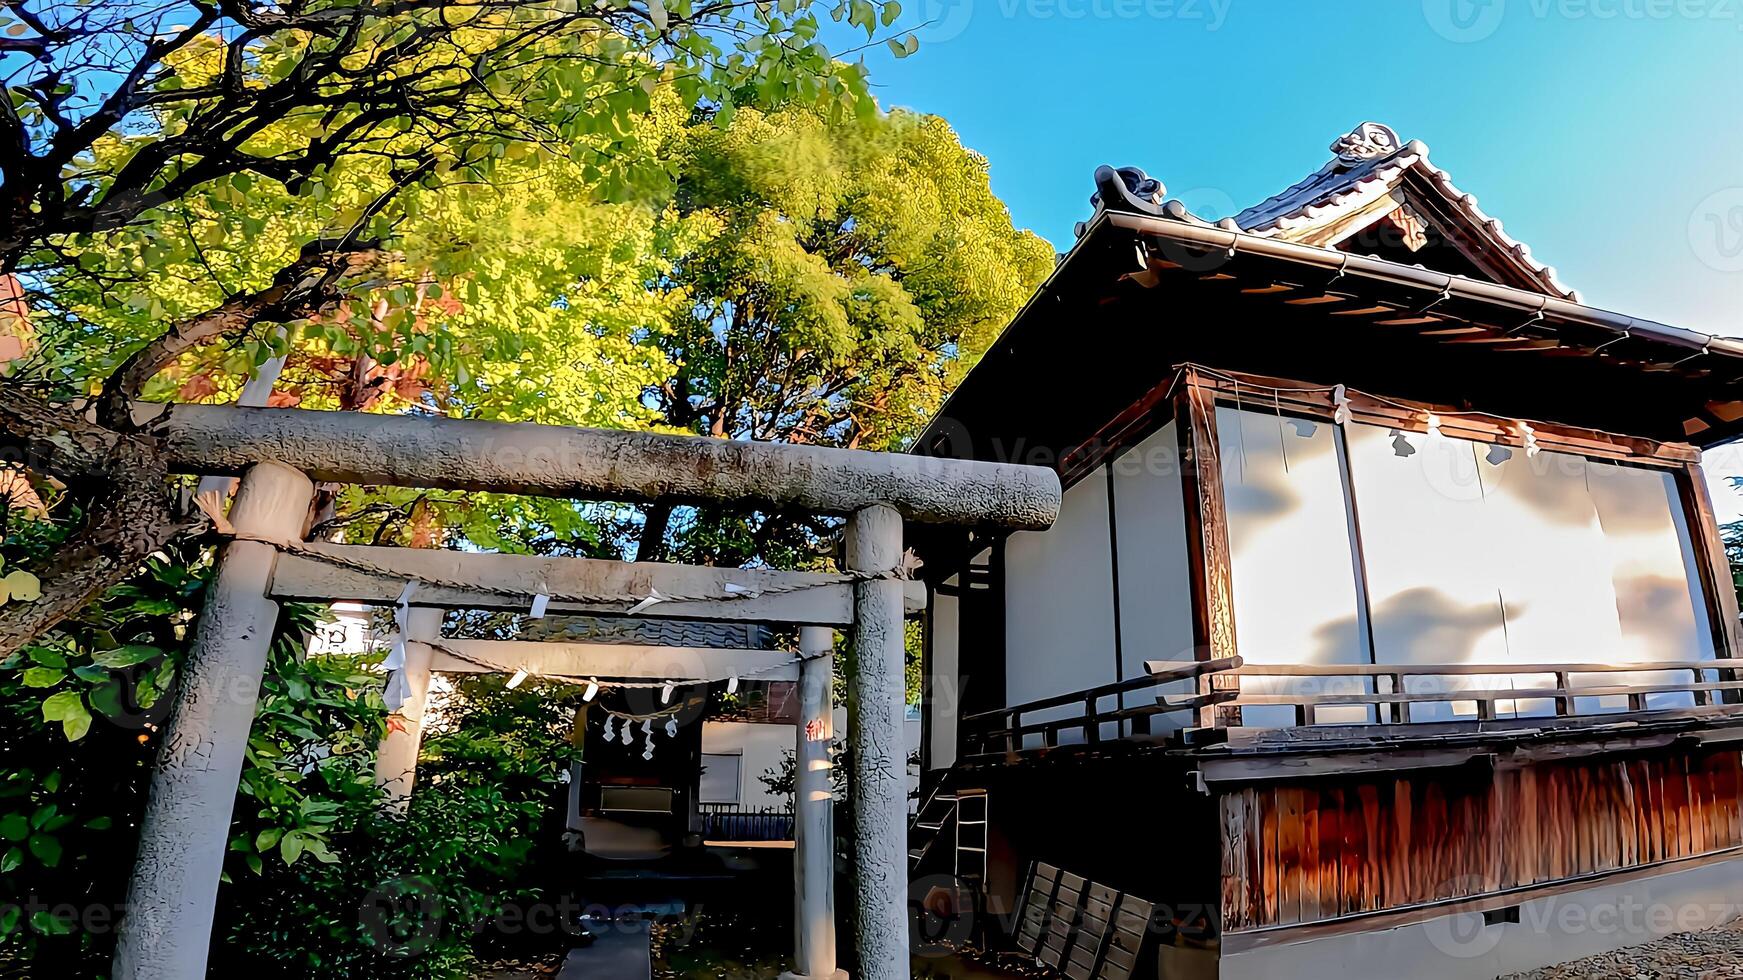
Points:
(1507, 297)
(1403, 287)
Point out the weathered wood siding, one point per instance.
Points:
(1297, 853)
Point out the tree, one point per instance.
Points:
(855, 270)
(120, 114)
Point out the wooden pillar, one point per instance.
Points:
(396, 762)
(880, 765)
(814, 811)
(1207, 544)
(186, 827)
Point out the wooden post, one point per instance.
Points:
(814, 811)
(396, 762)
(1208, 552)
(185, 829)
(880, 766)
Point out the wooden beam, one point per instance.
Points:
(609, 661)
(510, 581)
(1713, 562)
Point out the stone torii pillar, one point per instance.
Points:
(880, 764)
(186, 827)
(396, 762)
(814, 811)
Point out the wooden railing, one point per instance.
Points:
(1388, 689)
(1392, 693)
(1004, 729)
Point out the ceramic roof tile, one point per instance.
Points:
(1368, 162)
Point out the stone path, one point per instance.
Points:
(1716, 954)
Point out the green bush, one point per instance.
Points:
(408, 897)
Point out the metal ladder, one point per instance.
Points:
(929, 823)
(972, 817)
(965, 812)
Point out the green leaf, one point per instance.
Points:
(77, 727)
(318, 850)
(58, 707)
(15, 826)
(47, 849)
(68, 709)
(10, 861)
(47, 656)
(43, 676)
(127, 656)
(267, 838)
(291, 847)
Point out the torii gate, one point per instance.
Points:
(280, 452)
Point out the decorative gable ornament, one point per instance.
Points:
(1369, 141)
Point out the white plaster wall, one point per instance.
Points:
(1479, 555)
(763, 747)
(1293, 566)
(945, 702)
(350, 632)
(1155, 578)
(1059, 605)
(1550, 931)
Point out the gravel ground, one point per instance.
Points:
(1716, 954)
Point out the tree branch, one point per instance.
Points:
(127, 517)
(313, 284)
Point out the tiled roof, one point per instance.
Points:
(1370, 162)
(642, 631)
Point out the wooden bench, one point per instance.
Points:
(1037, 904)
(1092, 932)
(1062, 924)
(1130, 927)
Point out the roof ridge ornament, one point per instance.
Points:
(1127, 188)
(1369, 141)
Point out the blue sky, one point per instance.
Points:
(1597, 130)
(1606, 134)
